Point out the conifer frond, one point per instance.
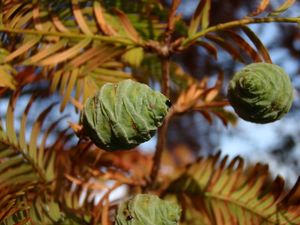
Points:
(27, 170)
(201, 16)
(89, 176)
(72, 47)
(199, 97)
(215, 191)
(233, 42)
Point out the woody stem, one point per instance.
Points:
(163, 129)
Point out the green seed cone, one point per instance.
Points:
(146, 209)
(123, 115)
(261, 93)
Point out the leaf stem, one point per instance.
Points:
(113, 40)
(189, 41)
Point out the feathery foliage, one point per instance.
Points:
(27, 171)
(214, 191)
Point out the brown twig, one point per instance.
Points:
(164, 49)
(165, 59)
(166, 76)
(162, 131)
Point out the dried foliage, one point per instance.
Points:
(74, 47)
(215, 191)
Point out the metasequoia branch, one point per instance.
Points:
(189, 41)
(113, 40)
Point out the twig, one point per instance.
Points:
(165, 59)
(120, 40)
(237, 23)
(162, 131)
(166, 76)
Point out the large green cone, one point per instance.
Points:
(146, 209)
(261, 93)
(123, 115)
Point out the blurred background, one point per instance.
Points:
(277, 144)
